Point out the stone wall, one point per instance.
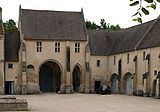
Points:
(13, 104)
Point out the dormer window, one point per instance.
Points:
(77, 47)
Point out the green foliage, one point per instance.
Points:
(149, 1)
(152, 4)
(145, 11)
(10, 26)
(91, 25)
(134, 3)
(103, 25)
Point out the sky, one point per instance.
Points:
(113, 11)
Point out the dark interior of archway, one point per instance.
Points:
(49, 77)
(154, 88)
(76, 79)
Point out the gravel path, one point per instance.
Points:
(90, 103)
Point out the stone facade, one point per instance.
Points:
(82, 64)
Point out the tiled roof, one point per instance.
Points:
(52, 25)
(12, 43)
(137, 37)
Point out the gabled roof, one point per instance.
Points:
(12, 43)
(152, 37)
(99, 42)
(52, 25)
(137, 37)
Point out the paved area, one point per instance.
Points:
(90, 103)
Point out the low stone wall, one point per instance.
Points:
(13, 104)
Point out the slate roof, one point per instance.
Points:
(52, 25)
(99, 42)
(12, 43)
(137, 37)
(152, 37)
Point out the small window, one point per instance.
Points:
(114, 60)
(155, 72)
(98, 63)
(39, 46)
(57, 47)
(10, 65)
(144, 55)
(127, 58)
(77, 47)
(30, 66)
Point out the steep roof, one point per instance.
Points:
(52, 25)
(12, 43)
(99, 42)
(152, 37)
(113, 42)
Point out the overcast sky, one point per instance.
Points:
(113, 11)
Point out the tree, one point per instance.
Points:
(142, 8)
(91, 25)
(10, 26)
(103, 25)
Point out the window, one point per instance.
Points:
(98, 63)
(77, 47)
(10, 65)
(127, 58)
(155, 72)
(39, 46)
(57, 47)
(114, 60)
(144, 55)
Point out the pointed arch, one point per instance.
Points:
(128, 83)
(76, 77)
(114, 83)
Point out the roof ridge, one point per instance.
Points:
(51, 11)
(146, 33)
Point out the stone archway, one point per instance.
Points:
(76, 78)
(114, 83)
(128, 83)
(50, 77)
(154, 87)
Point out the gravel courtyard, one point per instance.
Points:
(90, 103)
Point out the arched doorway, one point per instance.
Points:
(76, 78)
(154, 87)
(128, 83)
(49, 77)
(114, 83)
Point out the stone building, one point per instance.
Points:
(52, 51)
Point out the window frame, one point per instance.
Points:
(144, 55)
(39, 46)
(155, 72)
(10, 66)
(114, 60)
(128, 58)
(77, 47)
(98, 63)
(57, 46)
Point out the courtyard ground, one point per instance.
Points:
(50, 102)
